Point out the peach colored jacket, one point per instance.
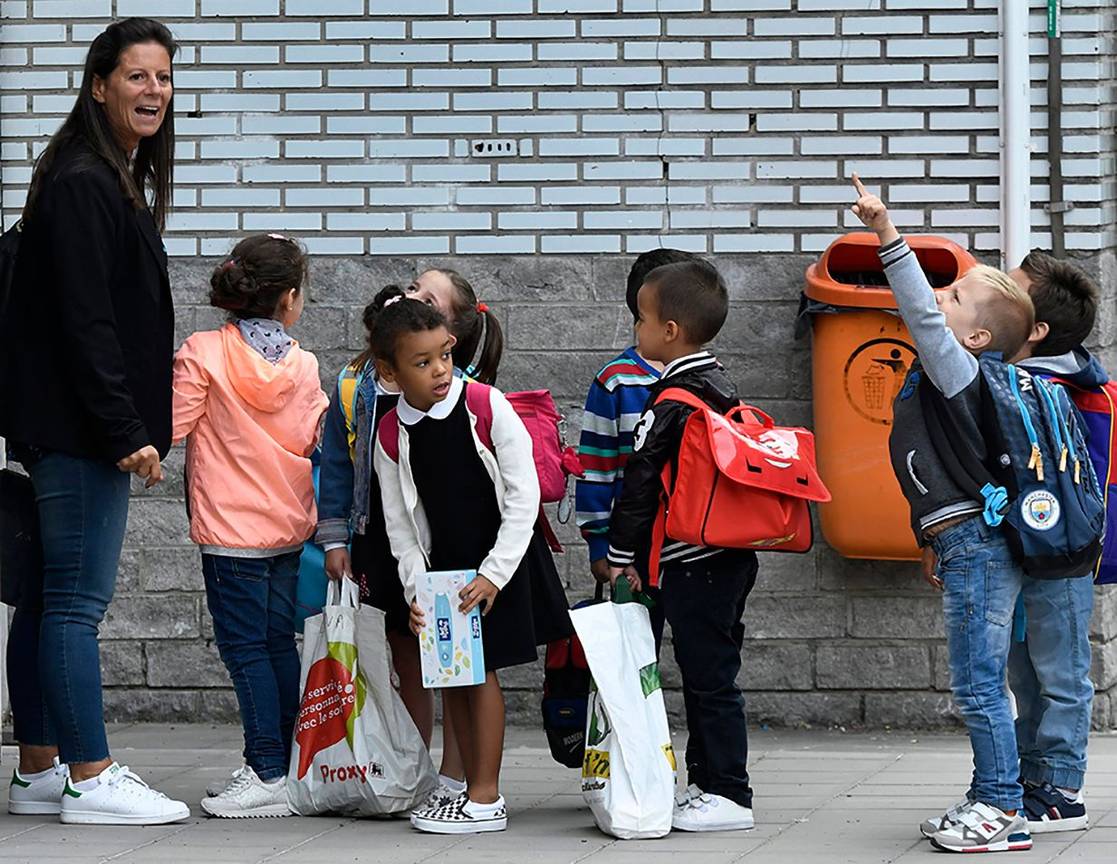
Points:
(250, 428)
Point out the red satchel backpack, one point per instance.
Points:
(742, 482)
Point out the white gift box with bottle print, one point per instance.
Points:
(450, 645)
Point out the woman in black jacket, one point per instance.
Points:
(85, 400)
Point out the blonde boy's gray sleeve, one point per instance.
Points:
(950, 367)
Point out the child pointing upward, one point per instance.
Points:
(982, 311)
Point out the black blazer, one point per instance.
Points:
(88, 338)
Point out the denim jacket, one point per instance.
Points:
(346, 467)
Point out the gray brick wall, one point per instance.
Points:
(722, 126)
(718, 125)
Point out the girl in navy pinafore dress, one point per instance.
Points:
(455, 499)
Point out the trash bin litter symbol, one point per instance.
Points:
(874, 377)
(874, 387)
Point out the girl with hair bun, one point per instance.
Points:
(248, 402)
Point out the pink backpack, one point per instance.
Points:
(554, 461)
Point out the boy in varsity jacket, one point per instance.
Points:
(1049, 671)
(983, 311)
(702, 589)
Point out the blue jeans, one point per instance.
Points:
(1050, 676)
(980, 585)
(54, 663)
(252, 601)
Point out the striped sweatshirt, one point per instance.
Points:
(614, 405)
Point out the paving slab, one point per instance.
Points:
(821, 798)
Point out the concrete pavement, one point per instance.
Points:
(821, 798)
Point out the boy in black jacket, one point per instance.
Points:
(703, 589)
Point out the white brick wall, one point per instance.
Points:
(717, 125)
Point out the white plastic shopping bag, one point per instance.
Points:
(356, 750)
(628, 774)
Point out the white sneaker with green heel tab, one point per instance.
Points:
(118, 797)
(38, 794)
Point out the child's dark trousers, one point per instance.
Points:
(704, 601)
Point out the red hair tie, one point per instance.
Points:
(482, 307)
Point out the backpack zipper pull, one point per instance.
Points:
(1035, 463)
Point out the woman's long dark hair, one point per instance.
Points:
(88, 122)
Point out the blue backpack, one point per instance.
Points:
(1097, 407)
(311, 589)
(1037, 481)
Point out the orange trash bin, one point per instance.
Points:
(861, 354)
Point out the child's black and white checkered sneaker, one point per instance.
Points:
(462, 816)
(441, 795)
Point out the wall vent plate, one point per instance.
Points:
(493, 148)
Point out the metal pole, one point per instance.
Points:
(1015, 134)
(1056, 205)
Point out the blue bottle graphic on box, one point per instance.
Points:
(444, 631)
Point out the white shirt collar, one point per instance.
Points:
(409, 415)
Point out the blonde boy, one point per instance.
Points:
(983, 311)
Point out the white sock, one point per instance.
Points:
(38, 775)
(1070, 794)
(452, 783)
(86, 785)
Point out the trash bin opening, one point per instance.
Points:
(858, 264)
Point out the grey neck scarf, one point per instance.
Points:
(267, 336)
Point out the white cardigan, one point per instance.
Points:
(511, 467)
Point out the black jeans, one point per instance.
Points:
(704, 601)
